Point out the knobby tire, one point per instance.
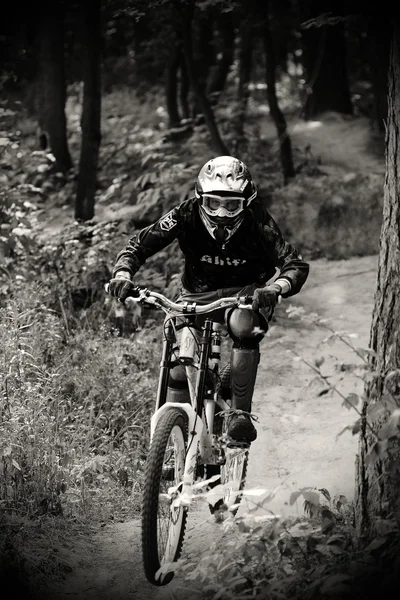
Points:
(174, 421)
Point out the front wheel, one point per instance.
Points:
(163, 524)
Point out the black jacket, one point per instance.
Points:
(250, 255)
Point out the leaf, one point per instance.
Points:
(351, 401)
(328, 550)
(391, 428)
(340, 501)
(376, 410)
(365, 352)
(334, 583)
(293, 497)
(204, 483)
(325, 493)
(376, 543)
(385, 526)
(16, 465)
(336, 539)
(376, 452)
(355, 428)
(324, 391)
(312, 497)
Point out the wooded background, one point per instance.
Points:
(108, 111)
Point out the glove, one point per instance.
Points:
(266, 297)
(121, 286)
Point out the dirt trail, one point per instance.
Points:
(296, 444)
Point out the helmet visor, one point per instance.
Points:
(222, 206)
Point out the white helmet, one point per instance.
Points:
(224, 189)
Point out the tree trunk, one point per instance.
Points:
(219, 74)
(91, 110)
(203, 52)
(379, 47)
(281, 23)
(51, 87)
(245, 64)
(285, 144)
(184, 88)
(172, 86)
(378, 460)
(198, 90)
(324, 59)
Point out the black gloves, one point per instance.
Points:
(121, 287)
(266, 297)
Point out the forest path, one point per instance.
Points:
(296, 444)
(339, 141)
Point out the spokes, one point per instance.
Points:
(233, 474)
(169, 517)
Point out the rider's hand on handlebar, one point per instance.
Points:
(266, 297)
(121, 286)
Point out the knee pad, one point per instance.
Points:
(244, 363)
(244, 327)
(177, 378)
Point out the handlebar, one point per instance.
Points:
(145, 296)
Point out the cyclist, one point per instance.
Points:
(231, 246)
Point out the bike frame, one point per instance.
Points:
(200, 413)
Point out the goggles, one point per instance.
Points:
(222, 206)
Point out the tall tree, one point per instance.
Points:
(185, 18)
(50, 85)
(281, 23)
(91, 109)
(379, 46)
(246, 36)
(285, 144)
(225, 55)
(184, 88)
(325, 63)
(203, 50)
(378, 460)
(171, 90)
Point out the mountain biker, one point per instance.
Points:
(231, 246)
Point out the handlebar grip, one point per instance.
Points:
(135, 290)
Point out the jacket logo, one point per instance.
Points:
(218, 260)
(168, 222)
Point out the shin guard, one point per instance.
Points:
(244, 364)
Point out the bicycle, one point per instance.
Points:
(188, 441)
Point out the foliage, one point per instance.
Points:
(320, 555)
(381, 416)
(72, 409)
(76, 386)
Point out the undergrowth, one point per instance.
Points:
(75, 404)
(319, 555)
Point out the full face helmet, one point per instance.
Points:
(224, 189)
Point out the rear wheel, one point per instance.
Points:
(233, 475)
(163, 523)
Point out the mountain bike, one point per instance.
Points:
(188, 441)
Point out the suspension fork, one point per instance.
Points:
(168, 340)
(204, 343)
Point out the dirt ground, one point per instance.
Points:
(297, 428)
